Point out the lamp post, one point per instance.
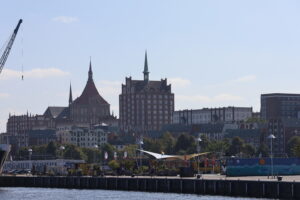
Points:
(198, 150)
(61, 148)
(96, 147)
(141, 142)
(30, 153)
(271, 137)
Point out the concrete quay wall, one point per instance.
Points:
(243, 188)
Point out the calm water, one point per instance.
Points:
(65, 194)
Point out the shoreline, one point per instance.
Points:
(207, 185)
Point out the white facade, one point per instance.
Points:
(63, 133)
(88, 137)
(208, 115)
(38, 164)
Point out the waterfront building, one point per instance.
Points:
(89, 137)
(88, 109)
(41, 137)
(280, 105)
(145, 105)
(212, 115)
(58, 166)
(283, 129)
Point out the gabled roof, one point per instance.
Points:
(65, 114)
(150, 86)
(90, 92)
(53, 111)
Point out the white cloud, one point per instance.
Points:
(33, 73)
(247, 78)
(65, 19)
(109, 88)
(179, 82)
(4, 95)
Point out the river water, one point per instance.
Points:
(74, 194)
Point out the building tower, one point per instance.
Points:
(90, 107)
(146, 71)
(145, 105)
(70, 95)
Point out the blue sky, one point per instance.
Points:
(215, 53)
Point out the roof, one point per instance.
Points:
(208, 128)
(151, 86)
(65, 114)
(90, 92)
(53, 111)
(280, 95)
(242, 133)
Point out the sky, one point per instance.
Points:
(214, 53)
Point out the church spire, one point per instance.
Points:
(70, 95)
(90, 70)
(146, 72)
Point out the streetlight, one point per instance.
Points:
(61, 148)
(30, 153)
(198, 150)
(271, 137)
(96, 147)
(141, 142)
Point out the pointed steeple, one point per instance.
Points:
(90, 70)
(70, 95)
(146, 72)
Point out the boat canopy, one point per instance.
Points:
(160, 156)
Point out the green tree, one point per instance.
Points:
(152, 145)
(205, 142)
(74, 152)
(292, 144)
(236, 146)
(185, 143)
(168, 143)
(114, 164)
(219, 147)
(51, 148)
(131, 150)
(109, 149)
(262, 150)
(249, 150)
(93, 155)
(296, 150)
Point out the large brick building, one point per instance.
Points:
(87, 110)
(90, 107)
(280, 105)
(145, 105)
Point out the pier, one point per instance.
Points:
(232, 187)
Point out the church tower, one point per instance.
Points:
(70, 95)
(90, 107)
(146, 72)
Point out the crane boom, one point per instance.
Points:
(9, 45)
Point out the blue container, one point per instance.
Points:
(262, 166)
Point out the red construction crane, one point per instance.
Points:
(9, 45)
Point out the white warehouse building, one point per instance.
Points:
(209, 115)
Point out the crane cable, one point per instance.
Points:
(22, 53)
